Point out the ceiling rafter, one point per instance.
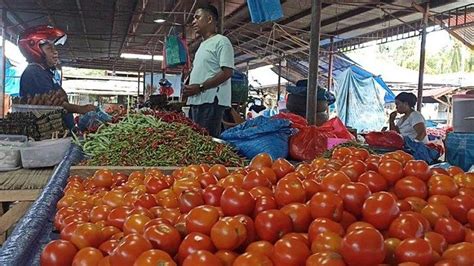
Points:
(83, 22)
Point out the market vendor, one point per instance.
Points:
(209, 92)
(412, 123)
(38, 45)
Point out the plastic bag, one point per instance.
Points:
(261, 134)
(92, 120)
(264, 10)
(310, 142)
(385, 139)
(336, 126)
(175, 51)
(296, 120)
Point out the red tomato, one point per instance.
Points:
(391, 169)
(87, 256)
(250, 229)
(99, 213)
(411, 186)
(439, 199)
(257, 192)
(437, 241)
(421, 218)
(118, 215)
(354, 195)
(414, 250)
(154, 257)
(325, 259)
(87, 235)
(391, 245)
(380, 210)
(67, 231)
(271, 225)
(164, 237)
(206, 179)
(404, 227)
(103, 178)
(255, 178)
(236, 201)
(226, 257)
(363, 247)
(311, 187)
(451, 229)
(328, 205)
(461, 253)
(264, 203)
(108, 246)
(459, 206)
(252, 259)
(135, 223)
(347, 219)
(455, 170)
(290, 252)
(228, 233)
(212, 195)
(192, 243)
(282, 167)
(129, 249)
(333, 181)
(326, 242)
(108, 231)
(202, 258)
(321, 225)
(58, 253)
(261, 160)
(470, 217)
(433, 212)
(201, 219)
(442, 185)
(374, 181)
(289, 190)
(300, 215)
(219, 171)
(190, 199)
(417, 168)
(156, 184)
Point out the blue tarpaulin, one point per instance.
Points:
(360, 100)
(264, 10)
(12, 79)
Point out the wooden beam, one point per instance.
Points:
(19, 195)
(136, 18)
(311, 99)
(112, 27)
(13, 215)
(421, 71)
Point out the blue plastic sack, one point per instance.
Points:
(420, 151)
(264, 10)
(93, 119)
(261, 134)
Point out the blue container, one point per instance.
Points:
(460, 149)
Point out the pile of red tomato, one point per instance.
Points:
(352, 209)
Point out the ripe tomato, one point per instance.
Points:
(87, 256)
(261, 191)
(236, 201)
(108, 246)
(281, 167)
(65, 201)
(437, 241)
(154, 257)
(341, 153)
(226, 257)
(219, 171)
(58, 253)
(212, 195)
(271, 225)
(470, 217)
(99, 213)
(269, 174)
(326, 242)
(433, 212)
(300, 215)
(234, 179)
(451, 229)
(252, 259)
(289, 190)
(228, 233)
(262, 246)
(264, 203)
(442, 185)
(374, 181)
(290, 251)
(404, 227)
(461, 253)
(325, 259)
(103, 178)
(354, 170)
(171, 215)
(261, 160)
(303, 237)
(192, 243)
(155, 184)
(455, 170)
(439, 199)
(358, 225)
(321, 225)
(459, 206)
(414, 250)
(333, 181)
(164, 237)
(255, 178)
(380, 209)
(411, 186)
(87, 235)
(327, 205)
(129, 249)
(135, 223)
(190, 199)
(391, 169)
(353, 196)
(363, 247)
(465, 180)
(417, 168)
(420, 217)
(311, 187)
(202, 258)
(67, 231)
(201, 219)
(417, 204)
(108, 231)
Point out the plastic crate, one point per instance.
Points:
(10, 146)
(44, 153)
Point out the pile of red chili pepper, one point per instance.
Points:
(144, 140)
(175, 117)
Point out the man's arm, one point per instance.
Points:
(74, 108)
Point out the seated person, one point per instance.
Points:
(412, 123)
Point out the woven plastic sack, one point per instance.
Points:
(261, 134)
(175, 51)
(310, 142)
(264, 10)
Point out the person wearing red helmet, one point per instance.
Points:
(38, 45)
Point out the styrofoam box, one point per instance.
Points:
(44, 153)
(10, 151)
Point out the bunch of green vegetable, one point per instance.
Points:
(143, 140)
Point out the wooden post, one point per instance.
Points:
(279, 82)
(152, 75)
(138, 87)
(421, 71)
(3, 16)
(331, 58)
(311, 101)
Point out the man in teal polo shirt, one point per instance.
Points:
(209, 92)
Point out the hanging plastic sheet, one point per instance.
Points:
(360, 101)
(35, 229)
(264, 10)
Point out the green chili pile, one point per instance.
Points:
(143, 140)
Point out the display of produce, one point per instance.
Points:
(143, 140)
(351, 209)
(38, 127)
(176, 117)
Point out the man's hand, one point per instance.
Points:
(87, 108)
(190, 90)
(393, 115)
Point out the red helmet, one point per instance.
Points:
(31, 39)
